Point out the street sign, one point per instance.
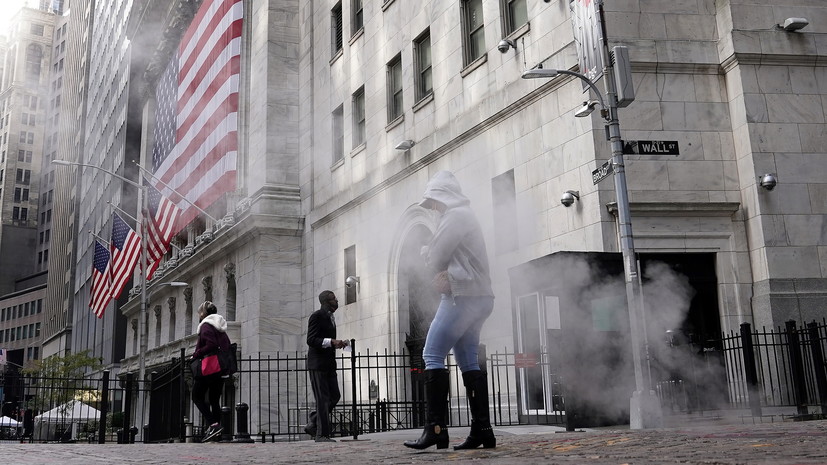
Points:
(650, 147)
(603, 172)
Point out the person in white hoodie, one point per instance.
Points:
(212, 336)
(458, 257)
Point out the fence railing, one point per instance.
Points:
(383, 391)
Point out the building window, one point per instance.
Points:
(37, 29)
(17, 194)
(338, 134)
(356, 17)
(25, 195)
(473, 30)
(24, 215)
(504, 193)
(395, 88)
(514, 15)
(359, 117)
(350, 270)
(336, 28)
(34, 55)
(422, 55)
(15, 213)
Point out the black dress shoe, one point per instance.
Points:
(311, 430)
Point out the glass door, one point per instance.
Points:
(533, 361)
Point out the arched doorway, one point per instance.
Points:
(416, 301)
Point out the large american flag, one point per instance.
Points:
(126, 250)
(196, 117)
(160, 219)
(101, 280)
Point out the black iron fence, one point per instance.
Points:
(754, 370)
(94, 409)
(270, 397)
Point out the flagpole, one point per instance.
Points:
(144, 309)
(144, 304)
(144, 170)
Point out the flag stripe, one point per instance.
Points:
(161, 218)
(190, 113)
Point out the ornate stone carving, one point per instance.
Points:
(229, 270)
(134, 323)
(206, 281)
(171, 304)
(188, 296)
(157, 310)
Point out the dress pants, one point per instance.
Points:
(326, 392)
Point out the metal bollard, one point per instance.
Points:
(133, 431)
(227, 423)
(188, 430)
(241, 421)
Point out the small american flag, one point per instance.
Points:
(161, 218)
(126, 250)
(196, 117)
(101, 281)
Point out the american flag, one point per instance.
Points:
(161, 217)
(126, 250)
(101, 281)
(196, 117)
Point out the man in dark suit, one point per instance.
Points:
(321, 363)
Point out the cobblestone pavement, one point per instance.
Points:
(765, 443)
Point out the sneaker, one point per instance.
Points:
(213, 432)
(324, 439)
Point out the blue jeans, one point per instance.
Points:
(457, 324)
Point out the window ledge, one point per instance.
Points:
(387, 4)
(424, 101)
(337, 164)
(359, 148)
(519, 32)
(336, 55)
(396, 122)
(474, 65)
(356, 35)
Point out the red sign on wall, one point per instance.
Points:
(525, 360)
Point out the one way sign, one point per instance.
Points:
(650, 147)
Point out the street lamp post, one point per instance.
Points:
(144, 265)
(644, 405)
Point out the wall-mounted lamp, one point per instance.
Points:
(568, 198)
(405, 145)
(768, 181)
(506, 44)
(586, 109)
(351, 281)
(793, 24)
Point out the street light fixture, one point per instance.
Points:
(644, 405)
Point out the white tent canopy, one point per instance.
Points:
(6, 421)
(71, 411)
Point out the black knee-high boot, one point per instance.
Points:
(436, 398)
(476, 387)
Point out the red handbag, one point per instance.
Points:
(210, 365)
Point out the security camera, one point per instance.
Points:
(351, 281)
(769, 181)
(568, 198)
(505, 44)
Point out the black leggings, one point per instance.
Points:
(212, 385)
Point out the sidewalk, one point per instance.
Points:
(724, 442)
